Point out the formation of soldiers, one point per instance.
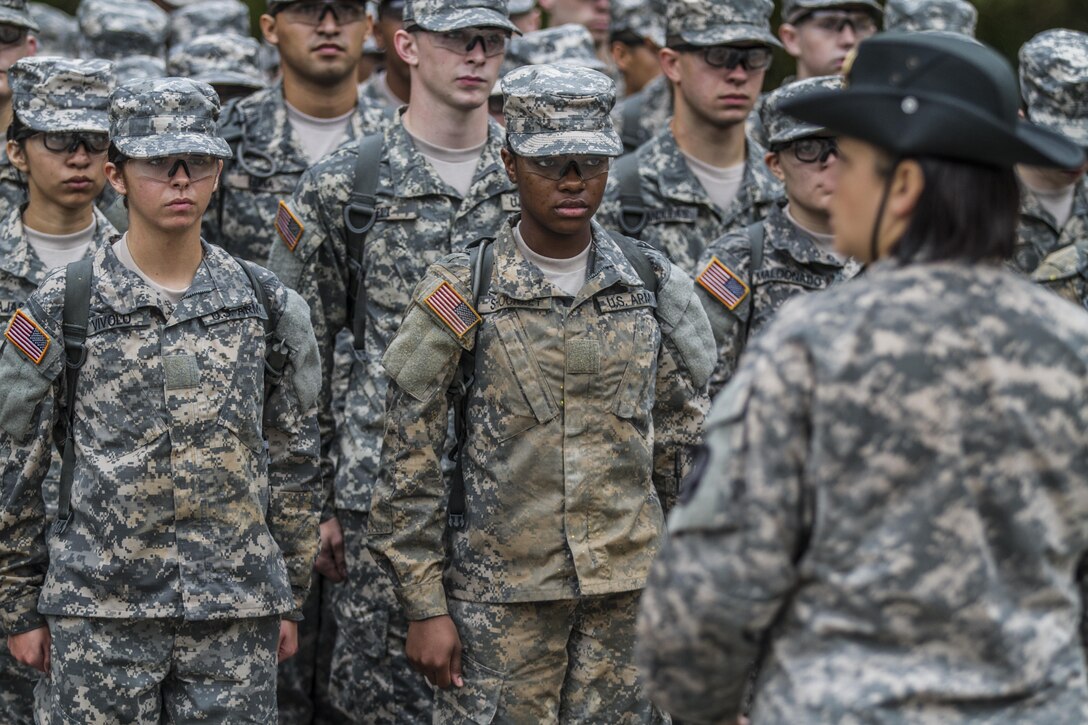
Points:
(381, 420)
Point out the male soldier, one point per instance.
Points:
(641, 115)
(437, 186)
(636, 36)
(525, 15)
(209, 16)
(115, 29)
(594, 14)
(227, 62)
(821, 33)
(586, 382)
(57, 30)
(277, 133)
(952, 16)
(389, 87)
(700, 176)
(17, 41)
(1054, 202)
(746, 276)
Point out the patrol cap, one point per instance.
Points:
(552, 110)
(644, 18)
(207, 17)
(114, 29)
(220, 58)
(794, 9)
(441, 16)
(935, 94)
(1054, 82)
(137, 67)
(719, 22)
(57, 30)
(15, 12)
(166, 116)
(519, 7)
(61, 94)
(569, 44)
(782, 128)
(953, 16)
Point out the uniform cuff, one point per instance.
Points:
(423, 601)
(21, 615)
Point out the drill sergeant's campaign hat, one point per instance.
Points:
(719, 22)
(643, 18)
(138, 67)
(166, 117)
(57, 30)
(553, 110)
(61, 94)
(951, 16)
(15, 12)
(939, 95)
(779, 128)
(115, 29)
(792, 10)
(441, 16)
(208, 17)
(218, 59)
(1054, 82)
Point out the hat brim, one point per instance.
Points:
(460, 18)
(230, 78)
(936, 127)
(19, 20)
(172, 143)
(802, 8)
(729, 34)
(558, 143)
(66, 120)
(796, 133)
(1076, 130)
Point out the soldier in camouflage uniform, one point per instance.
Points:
(820, 34)
(17, 40)
(588, 362)
(951, 16)
(525, 15)
(57, 33)
(207, 17)
(693, 191)
(640, 115)
(1054, 202)
(788, 253)
(58, 224)
(227, 62)
(166, 593)
(115, 29)
(636, 36)
(390, 86)
(440, 186)
(893, 502)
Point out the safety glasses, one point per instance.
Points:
(833, 22)
(10, 34)
(556, 167)
(813, 150)
(63, 142)
(312, 13)
(728, 56)
(493, 42)
(165, 168)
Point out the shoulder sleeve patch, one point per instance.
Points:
(28, 336)
(723, 284)
(288, 226)
(452, 309)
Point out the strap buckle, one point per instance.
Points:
(632, 207)
(365, 206)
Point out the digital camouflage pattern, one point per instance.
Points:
(58, 32)
(115, 29)
(719, 22)
(569, 44)
(12, 184)
(682, 219)
(791, 9)
(564, 661)
(894, 502)
(1066, 270)
(302, 682)
(552, 110)
(640, 116)
(953, 16)
(138, 68)
(207, 18)
(267, 162)
(578, 424)
(199, 521)
(16, 12)
(1054, 82)
(644, 18)
(110, 670)
(1038, 237)
(165, 116)
(777, 127)
(220, 58)
(61, 94)
(440, 16)
(519, 7)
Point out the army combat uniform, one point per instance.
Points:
(642, 115)
(914, 16)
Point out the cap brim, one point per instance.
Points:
(964, 134)
(171, 144)
(809, 7)
(465, 18)
(558, 143)
(19, 20)
(67, 120)
(230, 78)
(1076, 130)
(798, 132)
(727, 34)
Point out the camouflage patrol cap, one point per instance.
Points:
(138, 67)
(114, 29)
(719, 22)
(15, 12)
(1054, 82)
(164, 117)
(61, 94)
(569, 44)
(207, 17)
(553, 110)
(644, 18)
(953, 16)
(221, 58)
(519, 7)
(440, 16)
(57, 30)
(781, 128)
(793, 9)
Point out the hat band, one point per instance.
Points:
(154, 125)
(537, 125)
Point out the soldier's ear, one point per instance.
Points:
(268, 28)
(405, 45)
(218, 173)
(17, 155)
(116, 178)
(509, 161)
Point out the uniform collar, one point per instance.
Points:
(18, 259)
(787, 237)
(1030, 205)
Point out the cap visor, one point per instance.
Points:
(727, 34)
(558, 143)
(467, 18)
(229, 78)
(19, 20)
(172, 144)
(67, 120)
(1074, 130)
(799, 132)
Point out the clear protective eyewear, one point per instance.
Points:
(493, 42)
(165, 168)
(313, 13)
(728, 56)
(66, 142)
(556, 167)
(11, 34)
(833, 22)
(815, 149)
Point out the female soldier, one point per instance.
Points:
(189, 526)
(894, 502)
(585, 381)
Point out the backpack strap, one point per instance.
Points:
(359, 215)
(638, 259)
(756, 233)
(631, 115)
(275, 359)
(633, 212)
(77, 305)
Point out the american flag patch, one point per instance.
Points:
(288, 226)
(452, 309)
(25, 334)
(719, 281)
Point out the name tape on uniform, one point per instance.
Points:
(452, 309)
(719, 281)
(28, 336)
(288, 227)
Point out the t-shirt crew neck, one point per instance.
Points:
(318, 136)
(120, 248)
(57, 250)
(1058, 203)
(720, 182)
(568, 275)
(456, 167)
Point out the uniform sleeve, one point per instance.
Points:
(728, 324)
(408, 508)
(728, 567)
(290, 424)
(1082, 581)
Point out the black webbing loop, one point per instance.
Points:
(633, 212)
(77, 304)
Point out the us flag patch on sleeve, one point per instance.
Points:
(726, 287)
(288, 226)
(25, 334)
(452, 309)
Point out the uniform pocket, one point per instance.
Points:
(633, 400)
(476, 702)
(510, 381)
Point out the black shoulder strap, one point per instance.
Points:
(632, 209)
(359, 215)
(631, 115)
(275, 359)
(756, 233)
(77, 307)
(638, 259)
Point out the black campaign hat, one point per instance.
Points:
(935, 95)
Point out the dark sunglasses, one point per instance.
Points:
(11, 34)
(66, 142)
(728, 56)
